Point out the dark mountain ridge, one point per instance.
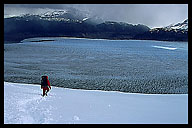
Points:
(73, 24)
(177, 32)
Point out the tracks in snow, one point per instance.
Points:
(30, 107)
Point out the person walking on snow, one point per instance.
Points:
(45, 85)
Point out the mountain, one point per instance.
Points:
(173, 32)
(73, 23)
(61, 15)
(70, 16)
(67, 23)
(179, 26)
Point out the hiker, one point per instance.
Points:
(45, 85)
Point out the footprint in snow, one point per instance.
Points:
(76, 118)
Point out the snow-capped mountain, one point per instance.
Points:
(173, 32)
(71, 23)
(59, 15)
(72, 15)
(75, 23)
(178, 26)
(54, 13)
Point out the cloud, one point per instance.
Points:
(148, 14)
(51, 6)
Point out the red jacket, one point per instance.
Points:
(48, 84)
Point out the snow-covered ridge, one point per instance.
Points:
(54, 13)
(58, 15)
(178, 27)
(67, 15)
(23, 104)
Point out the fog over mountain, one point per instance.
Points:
(152, 15)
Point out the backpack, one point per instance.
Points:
(44, 81)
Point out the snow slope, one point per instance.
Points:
(23, 103)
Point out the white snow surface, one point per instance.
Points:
(23, 104)
(163, 47)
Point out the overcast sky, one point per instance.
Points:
(152, 15)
